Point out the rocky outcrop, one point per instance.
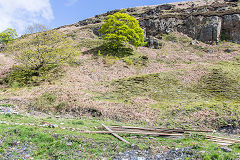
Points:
(208, 24)
(219, 20)
(231, 27)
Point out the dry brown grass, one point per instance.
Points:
(6, 64)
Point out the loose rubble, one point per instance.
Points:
(178, 153)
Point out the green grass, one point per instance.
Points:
(161, 87)
(89, 43)
(214, 99)
(44, 142)
(21, 76)
(220, 84)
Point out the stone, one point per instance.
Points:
(209, 51)
(96, 32)
(228, 50)
(69, 143)
(135, 147)
(153, 42)
(53, 126)
(209, 24)
(226, 149)
(194, 42)
(2, 46)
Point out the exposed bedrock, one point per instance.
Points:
(211, 22)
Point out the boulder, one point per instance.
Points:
(1, 47)
(96, 31)
(153, 42)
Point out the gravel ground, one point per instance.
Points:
(176, 154)
(17, 151)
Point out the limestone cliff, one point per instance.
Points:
(205, 20)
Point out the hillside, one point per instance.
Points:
(188, 77)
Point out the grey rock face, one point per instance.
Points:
(209, 24)
(211, 30)
(231, 27)
(159, 26)
(207, 29)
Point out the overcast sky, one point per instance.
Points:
(19, 14)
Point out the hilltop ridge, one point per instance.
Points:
(208, 21)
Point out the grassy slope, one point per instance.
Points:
(179, 85)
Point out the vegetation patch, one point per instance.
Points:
(169, 37)
(159, 86)
(206, 113)
(219, 84)
(89, 43)
(48, 102)
(22, 76)
(182, 105)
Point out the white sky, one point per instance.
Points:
(21, 13)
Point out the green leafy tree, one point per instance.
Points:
(120, 29)
(8, 35)
(43, 48)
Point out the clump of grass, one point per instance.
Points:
(199, 113)
(23, 76)
(46, 102)
(219, 84)
(169, 37)
(7, 105)
(110, 60)
(174, 36)
(184, 39)
(89, 43)
(160, 86)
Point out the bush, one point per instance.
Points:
(22, 76)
